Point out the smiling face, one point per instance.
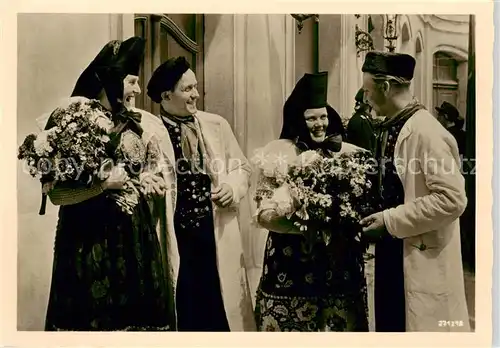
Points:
(317, 123)
(182, 100)
(130, 89)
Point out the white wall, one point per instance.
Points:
(52, 51)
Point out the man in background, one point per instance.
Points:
(450, 118)
(360, 130)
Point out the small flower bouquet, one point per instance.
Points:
(74, 149)
(325, 197)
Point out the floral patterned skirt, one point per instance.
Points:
(108, 272)
(311, 290)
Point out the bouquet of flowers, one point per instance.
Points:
(326, 197)
(74, 149)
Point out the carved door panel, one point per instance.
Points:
(170, 35)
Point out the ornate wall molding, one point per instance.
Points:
(174, 30)
(458, 53)
(179, 35)
(459, 19)
(419, 37)
(446, 25)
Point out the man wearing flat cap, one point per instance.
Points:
(207, 175)
(419, 283)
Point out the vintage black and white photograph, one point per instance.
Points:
(246, 172)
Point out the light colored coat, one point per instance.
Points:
(428, 163)
(233, 169)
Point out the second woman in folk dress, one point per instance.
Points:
(302, 289)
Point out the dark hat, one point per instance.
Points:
(116, 60)
(129, 57)
(388, 63)
(315, 90)
(449, 111)
(166, 76)
(310, 92)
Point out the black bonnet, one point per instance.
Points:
(310, 92)
(112, 64)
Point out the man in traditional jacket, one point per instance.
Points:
(419, 283)
(207, 175)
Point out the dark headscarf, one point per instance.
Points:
(112, 64)
(310, 92)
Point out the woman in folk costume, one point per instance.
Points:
(207, 175)
(108, 270)
(419, 281)
(301, 289)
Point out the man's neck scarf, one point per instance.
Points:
(193, 145)
(401, 116)
(383, 130)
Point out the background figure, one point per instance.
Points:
(360, 129)
(450, 118)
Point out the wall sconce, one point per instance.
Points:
(391, 31)
(300, 18)
(363, 40)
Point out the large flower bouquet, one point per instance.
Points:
(325, 197)
(74, 150)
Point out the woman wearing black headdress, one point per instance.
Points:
(302, 289)
(108, 272)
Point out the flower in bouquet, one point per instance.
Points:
(330, 193)
(307, 158)
(283, 200)
(72, 148)
(41, 143)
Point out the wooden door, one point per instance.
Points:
(170, 35)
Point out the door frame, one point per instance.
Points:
(149, 26)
